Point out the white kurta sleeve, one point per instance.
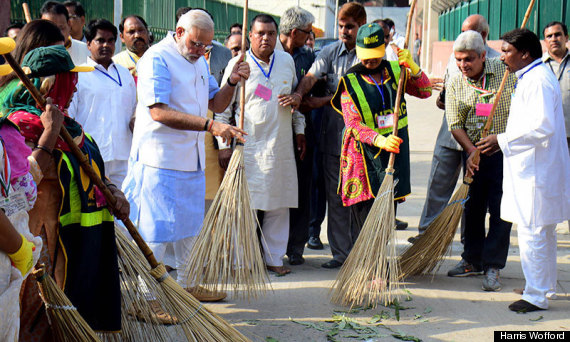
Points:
(226, 115)
(538, 126)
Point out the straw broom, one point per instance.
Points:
(198, 323)
(430, 248)
(370, 267)
(140, 295)
(65, 321)
(227, 250)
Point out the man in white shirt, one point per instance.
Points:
(395, 38)
(268, 152)
(165, 183)
(536, 183)
(105, 100)
(57, 13)
(76, 19)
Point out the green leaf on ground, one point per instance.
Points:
(406, 337)
(427, 310)
(309, 324)
(408, 295)
(271, 339)
(536, 319)
(251, 321)
(418, 316)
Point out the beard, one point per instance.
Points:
(185, 52)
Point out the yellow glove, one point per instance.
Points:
(23, 259)
(390, 144)
(405, 59)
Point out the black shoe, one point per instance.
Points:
(522, 306)
(315, 243)
(332, 264)
(296, 259)
(401, 225)
(414, 239)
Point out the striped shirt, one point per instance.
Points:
(463, 94)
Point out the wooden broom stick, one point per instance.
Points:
(243, 42)
(401, 84)
(27, 14)
(84, 161)
(489, 121)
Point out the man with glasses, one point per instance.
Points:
(165, 182)
(76, 19)
(268, 152)
(295, 27)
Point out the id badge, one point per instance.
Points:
(14, 203)
(263, 92)
(385, 121)
(483, 109)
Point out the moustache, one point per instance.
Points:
(346, 36)
(139, 40)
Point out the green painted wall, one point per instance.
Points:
(503, 16)
(159, 14)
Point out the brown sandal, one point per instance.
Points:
(280, 270)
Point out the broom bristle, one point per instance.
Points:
(65, 321)
(370, 273)
(431, 247)
(227, 250)
(138, 289)
(198, 323)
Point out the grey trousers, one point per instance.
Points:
(338, 220)
(445, 168)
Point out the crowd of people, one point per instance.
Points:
(158, 124)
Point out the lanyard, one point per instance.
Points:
(114, 80)
(132, 59)
(524, 73)
(267, 75)
(560, 71)
(378, 87)
(481, 90)
(5, 176)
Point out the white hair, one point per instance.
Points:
(295, 18)
(196, 18)
(469, 40)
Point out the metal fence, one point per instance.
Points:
(503, 16)
(159, 14)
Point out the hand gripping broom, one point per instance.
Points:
(198, 323)
(371, 266)
(227, 250)
(428, 251)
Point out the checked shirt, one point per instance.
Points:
(463, 94)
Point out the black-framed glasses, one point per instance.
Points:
(307, 32)
(199, 45)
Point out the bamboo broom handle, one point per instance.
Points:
(27, 14)
(242, 88)
(401, 83)
(84, 161)
(489, 121)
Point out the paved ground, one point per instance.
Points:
(438, 308)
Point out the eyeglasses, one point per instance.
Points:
(73, 17)
(307, 32)
(199, 45)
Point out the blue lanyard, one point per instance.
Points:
(260, 68)
(378, 87)
(524, 73)
(114, 80)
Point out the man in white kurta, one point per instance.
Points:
(536, 183)
(268, 151)
(165, 182)
(105, 101)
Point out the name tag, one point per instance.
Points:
(14, 203)
(263, 92)
(385, 121)
(483, 109)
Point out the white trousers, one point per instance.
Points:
(538, 260)
(275, 228)
(116, 170)
(182, 249)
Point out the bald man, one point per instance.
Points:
(448, 154)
